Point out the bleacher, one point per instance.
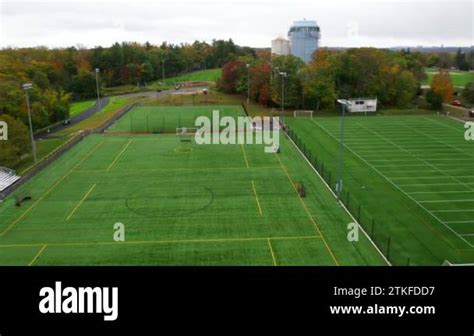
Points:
(7, 178)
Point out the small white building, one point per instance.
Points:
(359, 105)
(280, 46)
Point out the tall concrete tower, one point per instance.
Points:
(304, 39)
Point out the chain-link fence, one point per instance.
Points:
(384, 242)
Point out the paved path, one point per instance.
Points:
(77, 119)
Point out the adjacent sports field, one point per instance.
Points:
(412, 175)
(180, 203)
(459, 78)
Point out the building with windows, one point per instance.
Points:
(280, 46)
(304, 39)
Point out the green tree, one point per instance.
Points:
(84, 85)
(17, 143)
(434, 100)
(468, 92)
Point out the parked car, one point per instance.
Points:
(456, 103)
(67, 122)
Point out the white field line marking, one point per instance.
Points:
(375, 154)
(341, 203)
(448, 201)
(467, 234)
(457, 164)
(401, 190)
(441, 192)
(461, 133)
(427, 184)
(460, 222)
(453, 210)
(426, 171)
(430, 177)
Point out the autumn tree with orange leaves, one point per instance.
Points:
(443, 85)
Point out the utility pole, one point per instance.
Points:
(97, 70)
(163, 69)
(26, 87)
(248, 82)
(340, 173)
(283, 76)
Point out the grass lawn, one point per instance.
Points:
(412, 175)
(181, 204)
(459, 78)
(155, 119)
(210, 75)
(43, 148)
(115, 104)
(77, 108)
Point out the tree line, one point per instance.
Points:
(393, 77)
(62, 75)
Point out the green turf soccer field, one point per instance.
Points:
(412, 176)
(181, 204)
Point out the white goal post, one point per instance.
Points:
(303, 113)
(186, 134)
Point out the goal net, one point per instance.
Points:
(186, 134)
(303, 113)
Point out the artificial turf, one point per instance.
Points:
(412, 177)
(180, 203)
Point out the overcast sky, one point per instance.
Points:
(382, 23)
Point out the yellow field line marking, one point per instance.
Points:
(176, 241)
(256, 198)
(80, 202)
(49, 191)
(37, 255)
(245, 156)
(308, 212)
(119, 154)
(169, 169)
(271, 251)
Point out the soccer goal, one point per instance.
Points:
(186, 134)
(303, 113)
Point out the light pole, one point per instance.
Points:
(26, 87)
(163, 69)
(283, 76)
(343, 102)
(248, 82)
(97, 70)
